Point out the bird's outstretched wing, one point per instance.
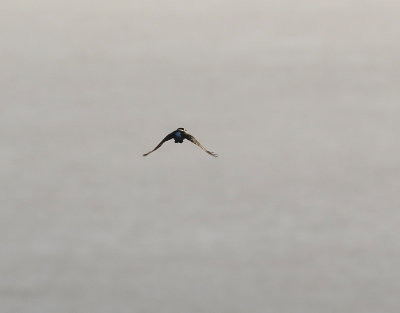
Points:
(196, 142)
(168, 137)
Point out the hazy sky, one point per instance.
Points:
(299, 213)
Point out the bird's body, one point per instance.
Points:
(179, 135)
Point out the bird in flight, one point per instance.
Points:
(179, 135)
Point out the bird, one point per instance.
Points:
(179, 135)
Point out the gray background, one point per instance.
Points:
(298, 214)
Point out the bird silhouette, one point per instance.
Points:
(179, 135)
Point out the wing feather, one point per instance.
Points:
(168, 137)
(196, 142)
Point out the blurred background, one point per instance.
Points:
(298, 214)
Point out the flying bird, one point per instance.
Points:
(179, 135)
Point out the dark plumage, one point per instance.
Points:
(179, 135)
